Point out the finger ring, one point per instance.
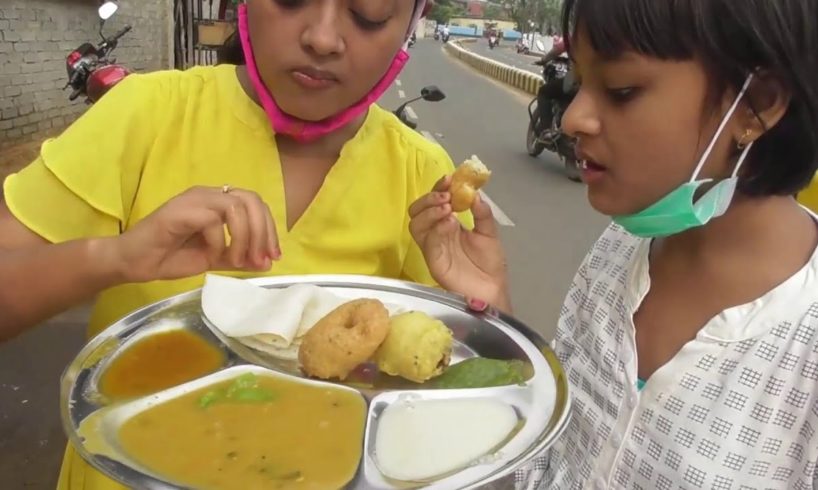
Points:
(226, 188)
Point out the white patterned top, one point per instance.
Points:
(736, 408)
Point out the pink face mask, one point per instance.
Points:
(305, 131)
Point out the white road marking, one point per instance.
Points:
(411, 113)
(401, 94)
(398, 83)
(500, 216)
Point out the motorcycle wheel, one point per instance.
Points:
(572, 170)
(532, 143)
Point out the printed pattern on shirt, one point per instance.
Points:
(735, 415)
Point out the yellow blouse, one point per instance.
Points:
(809, 196)
(156, 135)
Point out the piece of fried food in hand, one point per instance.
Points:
(417, 348)
(344, 339)
(469, 177)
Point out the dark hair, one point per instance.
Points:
(231, 52)
(733, 38)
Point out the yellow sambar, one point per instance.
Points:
(296, 436)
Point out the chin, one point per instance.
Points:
(312, 110)
(608, 205)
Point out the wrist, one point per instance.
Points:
(108, 263)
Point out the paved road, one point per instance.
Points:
(505, 53)
(554, 224)
(554, 228)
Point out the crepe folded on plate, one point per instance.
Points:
(272, 321)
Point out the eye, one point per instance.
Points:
(367, 24)
(622, 95)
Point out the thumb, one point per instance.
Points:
(484, 223)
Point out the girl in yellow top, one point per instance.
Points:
(287, 152)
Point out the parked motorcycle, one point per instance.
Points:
(445, 37)
(429, 94)
(413, 40)
(92, 72)
(545, 130)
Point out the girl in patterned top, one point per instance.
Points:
(690, 333)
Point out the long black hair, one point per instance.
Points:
(733, 38)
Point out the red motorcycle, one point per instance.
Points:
(92, 72)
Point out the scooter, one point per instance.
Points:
(493, 42)
(429, 94)
(92, 72)
(545, 130)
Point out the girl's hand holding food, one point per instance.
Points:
(471, 263)
(188, 236)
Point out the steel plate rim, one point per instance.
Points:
(554, 429)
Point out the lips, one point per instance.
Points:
(591, 169)
(314, 78)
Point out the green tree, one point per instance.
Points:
(495, 12)
(444, 10)
(537, 12)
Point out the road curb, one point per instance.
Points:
(517, 78)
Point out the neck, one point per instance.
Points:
(328, 145)
(752, 227)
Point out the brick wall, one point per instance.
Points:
(35, 37)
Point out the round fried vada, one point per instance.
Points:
(344, 339)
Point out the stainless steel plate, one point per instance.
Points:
(542, 403)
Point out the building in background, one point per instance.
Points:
(35, 38)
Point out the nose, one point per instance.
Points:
(581, 118)
(322, 35)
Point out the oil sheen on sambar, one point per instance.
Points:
(297, 436)
(157, 362)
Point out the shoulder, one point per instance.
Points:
(426, 154)
(167, 86)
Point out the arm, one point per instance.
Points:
(31, 291)
(183, 238)
(557, 51)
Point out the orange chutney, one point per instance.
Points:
(272, 433)
(158, 362)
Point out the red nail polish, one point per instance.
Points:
(478, 305)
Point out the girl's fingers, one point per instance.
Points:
(215, 241)
(484, 223)
(273, 248)
(443, 184)
(477, 305)
(428, 201)
(238, 225)
(258, 232)
(427, 220)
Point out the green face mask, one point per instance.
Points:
(679, 210)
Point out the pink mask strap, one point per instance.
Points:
(306, 130)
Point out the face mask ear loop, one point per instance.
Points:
(723, 125)
(741, 159)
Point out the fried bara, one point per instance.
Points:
(344, 339)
